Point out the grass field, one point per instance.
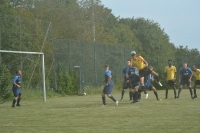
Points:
(85, 114)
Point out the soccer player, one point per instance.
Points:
(125, 81)
(147, 81)
(170, 72)
(16, 88)
(196, 74)
(185, 76)
(134, 79)
(142, 65)
(108, 86)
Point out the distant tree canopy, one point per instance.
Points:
(86, 20)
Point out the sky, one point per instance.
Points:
(180, 19)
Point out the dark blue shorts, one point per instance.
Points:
(108, 89)
(17, 92)
(185, 81)
(133, 85)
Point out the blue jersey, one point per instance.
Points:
(185, 73)
(16, 80)
(133, 72)
(124, 71)
(107, 75)
(147, 80)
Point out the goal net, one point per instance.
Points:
(33, 73)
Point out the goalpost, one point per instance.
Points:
(43, 67)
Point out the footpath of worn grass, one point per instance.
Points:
(85, 114)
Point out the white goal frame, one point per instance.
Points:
(43, 67)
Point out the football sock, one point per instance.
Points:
(136, 96)
(190, 91)
(179, 91)
(143, 88)
(104, 100)
(139, 95)
(14, 101)
(195, 92)
(131, 95)
(18, 100)
(175, 92)
(156, 94)
(123, 91)
(166, 93)
(111, 97)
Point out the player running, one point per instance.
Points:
(125, 81)
(16, 88)
(196, 74)
(170, 72)
(148, 84)
(133, 76)
(108, 86)
(185, 78)
(142, 65)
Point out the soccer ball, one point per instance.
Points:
(84, 93)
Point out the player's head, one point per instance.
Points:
(18, 72)
(106, 67)
(151, 68)
(133, 54)
(184, 65)
(128, 63)
(194, 68)
(170, 62)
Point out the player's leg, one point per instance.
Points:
(16, 95)
(123, 90)
(195, 94)
(111, 97)
(167, 87)
(155, 92)
(156, 77)
(190, 88)
(135, 94)
(130, 94)
(174, 87)
(180, 88)
(109, 92)
(103, 98)
(19, 98)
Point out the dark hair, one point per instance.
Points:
(106, 66)
(169, 60)
(17, 71)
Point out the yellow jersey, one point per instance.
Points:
(170, 71)
(138, 62)
(196, 74)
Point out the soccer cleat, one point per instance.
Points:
(146, 96)
(165, 97)
(159, 83)
(195, 96)
(18, 105)
(104, 105)
(159, 99)
(177, 97)
(116, 103)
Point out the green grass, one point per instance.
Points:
(85, 114)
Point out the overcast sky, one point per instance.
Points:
(179, 18)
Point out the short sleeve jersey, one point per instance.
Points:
(196, 74)
(107, 75)
(133, 72)
(185, 73)
(16, 80)
(170, 71)
(139, 62)
(124, 71)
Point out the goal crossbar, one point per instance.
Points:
(43, 67)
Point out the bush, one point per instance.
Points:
(5, 82)
(67, 83)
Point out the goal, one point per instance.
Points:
(30, 53)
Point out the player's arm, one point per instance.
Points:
(145, 62)
(109, 78)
